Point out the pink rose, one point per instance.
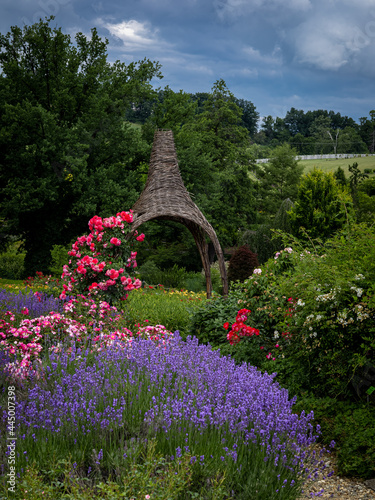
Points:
(115, 241)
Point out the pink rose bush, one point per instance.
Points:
(102, 262)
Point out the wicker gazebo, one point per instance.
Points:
(165, 197)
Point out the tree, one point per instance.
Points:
(250, 116)
(340, 176)
(324, 138)
(303, 145)
(355, 179)
(220, 124)
(321, 207)
(296, 122)
(350, 141)
(267, 128)
(367, 130)
(279, 177)
(172, 111)
(366, 201)
(65, 151)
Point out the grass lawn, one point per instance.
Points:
(330, 165)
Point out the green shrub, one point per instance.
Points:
(194, 282)
(12, 265)
(318, 305)
(149, 272)
(351, 426)
(59, 257)
(333, 318)
(173, 277)
(207, 322)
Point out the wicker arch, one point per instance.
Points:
(166, 197)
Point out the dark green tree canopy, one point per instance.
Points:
(66, 152)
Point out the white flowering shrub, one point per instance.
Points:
(333, 324)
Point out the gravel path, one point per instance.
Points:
(338, 487)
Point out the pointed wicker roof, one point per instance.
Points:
(166, 197)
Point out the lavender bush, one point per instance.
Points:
(37, 303)
(229, 421)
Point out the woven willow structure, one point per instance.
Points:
(166, 197)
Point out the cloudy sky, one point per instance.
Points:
(307, 54)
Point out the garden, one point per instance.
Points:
(118, 388)
(119, 378)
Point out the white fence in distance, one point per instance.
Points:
(321, 157)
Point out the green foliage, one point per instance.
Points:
(149, 272)
(340, 177)
(172, 110)
(355, 179)
(355, 431)
(365, 209)
(332, 328)
(278, 178)
(356, 176)
(250, 116)
(207, 322)
(59, 257)
(242, 264)
(365, 199)
(65, 150)
(148, 473)
(282, 218)
(12, 265)
(321, 207)
(350, 425)
(173, 277)
(155, 305)
(220, 122)
(215, 163)
(368, 187)
(260, 241)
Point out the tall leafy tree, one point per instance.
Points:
(221, 127)
(367, 130)
(279, 178)
(356, 177)
(65, 151)
(228, 199)
(250, 115)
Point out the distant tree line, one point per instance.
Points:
(318, 132)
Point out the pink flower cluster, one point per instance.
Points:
(25, 341)
(89, 325)
(101, 262)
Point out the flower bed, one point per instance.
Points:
(238, 425)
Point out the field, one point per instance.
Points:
(330, 165)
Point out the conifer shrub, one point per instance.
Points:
(242, 264)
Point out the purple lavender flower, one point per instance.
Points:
(38, 303)
(181, 385)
